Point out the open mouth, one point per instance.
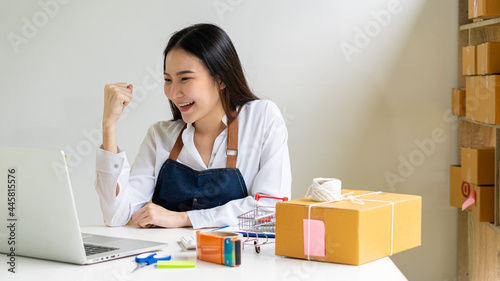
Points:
(185, 106)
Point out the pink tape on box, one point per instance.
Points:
(469, 200)
(314, 238)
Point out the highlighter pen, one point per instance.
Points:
(175, 264)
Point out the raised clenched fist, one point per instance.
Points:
(116, 97)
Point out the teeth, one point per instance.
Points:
(185, 104)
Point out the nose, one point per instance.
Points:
(172, 90)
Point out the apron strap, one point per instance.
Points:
(177, 146)
(232, 144)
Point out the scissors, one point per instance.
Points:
(143, 260)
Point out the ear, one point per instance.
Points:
(221, 84)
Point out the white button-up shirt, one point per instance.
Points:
(263, 160)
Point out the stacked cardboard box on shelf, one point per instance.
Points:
(485, 203)
(469, 60)
(477, 250)
(458, 102)
(482, 95)
(482, 99)
(484, 9)
(481, 59)
(478, 169)
(474, 181)
(478, 165)
(459, 189)
(488, 58)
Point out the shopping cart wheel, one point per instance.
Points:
(257, 248)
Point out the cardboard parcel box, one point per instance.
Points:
(472, 92)
(488, 58)
(349, 231)
(478, 165)
(459, 189)
(458, 102)
(469, 60)
(484, 205)
(483, 8)
(489, 99)
(482, 98)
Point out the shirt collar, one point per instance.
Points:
(224, 120)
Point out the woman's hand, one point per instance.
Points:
(116, 98)
(155, 215)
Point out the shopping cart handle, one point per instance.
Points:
(258, 196)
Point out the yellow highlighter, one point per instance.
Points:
(175, 264)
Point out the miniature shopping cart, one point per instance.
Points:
(259, 223)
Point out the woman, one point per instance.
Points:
(204, 167)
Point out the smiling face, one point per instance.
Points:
(189, 85)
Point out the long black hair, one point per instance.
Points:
(214, 48)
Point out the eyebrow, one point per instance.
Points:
(180, 72)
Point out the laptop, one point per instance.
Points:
(38, 214)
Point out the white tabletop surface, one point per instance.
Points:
(263, 266)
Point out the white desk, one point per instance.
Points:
(263, 266)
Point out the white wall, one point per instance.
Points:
(357, 116)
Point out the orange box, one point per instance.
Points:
(485, 203)
(469, 60)
(458, 102)
(489, 99)
(482, 99)
(459, 190)
(472, 6)
(353, 233)
(484, 8)
(478, 165)
(488, 58)
(472, 88)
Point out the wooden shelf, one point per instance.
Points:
(478, 247)
(484, 23)
(477, 33)
(488, 224)
(493, 226)
(479, 123)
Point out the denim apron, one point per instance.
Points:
(180, 188)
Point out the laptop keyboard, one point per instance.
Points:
(91, 249)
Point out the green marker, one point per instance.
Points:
(175, 264)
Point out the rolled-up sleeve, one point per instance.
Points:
(135, 190)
